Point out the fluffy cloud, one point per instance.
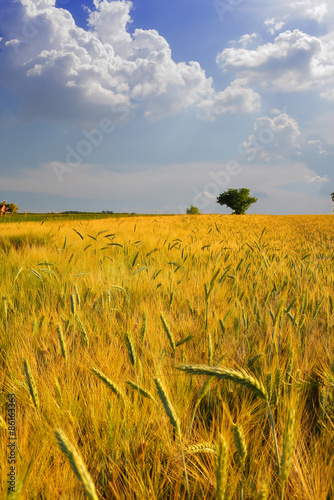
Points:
(237, 97)
(295, 61)
(313, 9)
(63, 72)
(272, 25)
(274, 138)
(317, 10)
(247, 39)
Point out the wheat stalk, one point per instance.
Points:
(110, 384)
(168, 332)
(143, 327)
(20, 483)
(240, 444)
(77, 296)
(288, 443)
(202, 448)
(82, 330)
(131, 348)
(3, 423)
(141, 390)
(173, 420)
(238, 376)
(77, 464)
(203, 392)
(210, 350)
(31, 384)
(62, 342)
(73, 304)
(264, 492)
(222, 469)
(59, 394)
(168, 407)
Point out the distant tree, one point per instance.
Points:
(237, 199)
(332, 195)
(192, 210)
(12, 208)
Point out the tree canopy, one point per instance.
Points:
(192, 210)
(237, 199)
(11, 208)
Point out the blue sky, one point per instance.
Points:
(152, 105)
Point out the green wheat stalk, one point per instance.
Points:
(62, 342)
(168, 332)
(82, 330)
(78, 465)
(240, 444)
(141, 390)
(288, 444)
(239, 377)
(31, 384)
(222, 469)
(110, 384)
(169, 409)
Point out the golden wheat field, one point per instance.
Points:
(168, 357)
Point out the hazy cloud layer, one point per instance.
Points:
(170, 185)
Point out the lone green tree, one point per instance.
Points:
(12, 208)
(237, 199)
(332, 195)
(192, 210)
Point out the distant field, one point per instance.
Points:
(103, 324)
(30, 217)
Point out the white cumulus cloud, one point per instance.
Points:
(272, 25)
(294, 61)
(63, 72)
(274, 139)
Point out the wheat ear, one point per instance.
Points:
(174, 421)
(238, 376)
(168, 332)
(141, 390)
(110, 384)
(264, 492)
(240, 444)
(222, 469)
(288, 443)
(82, 330)
(62, 342)
(202, 448)
(168, 407)
(31, 384)
(131, 348)
(77, 464)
